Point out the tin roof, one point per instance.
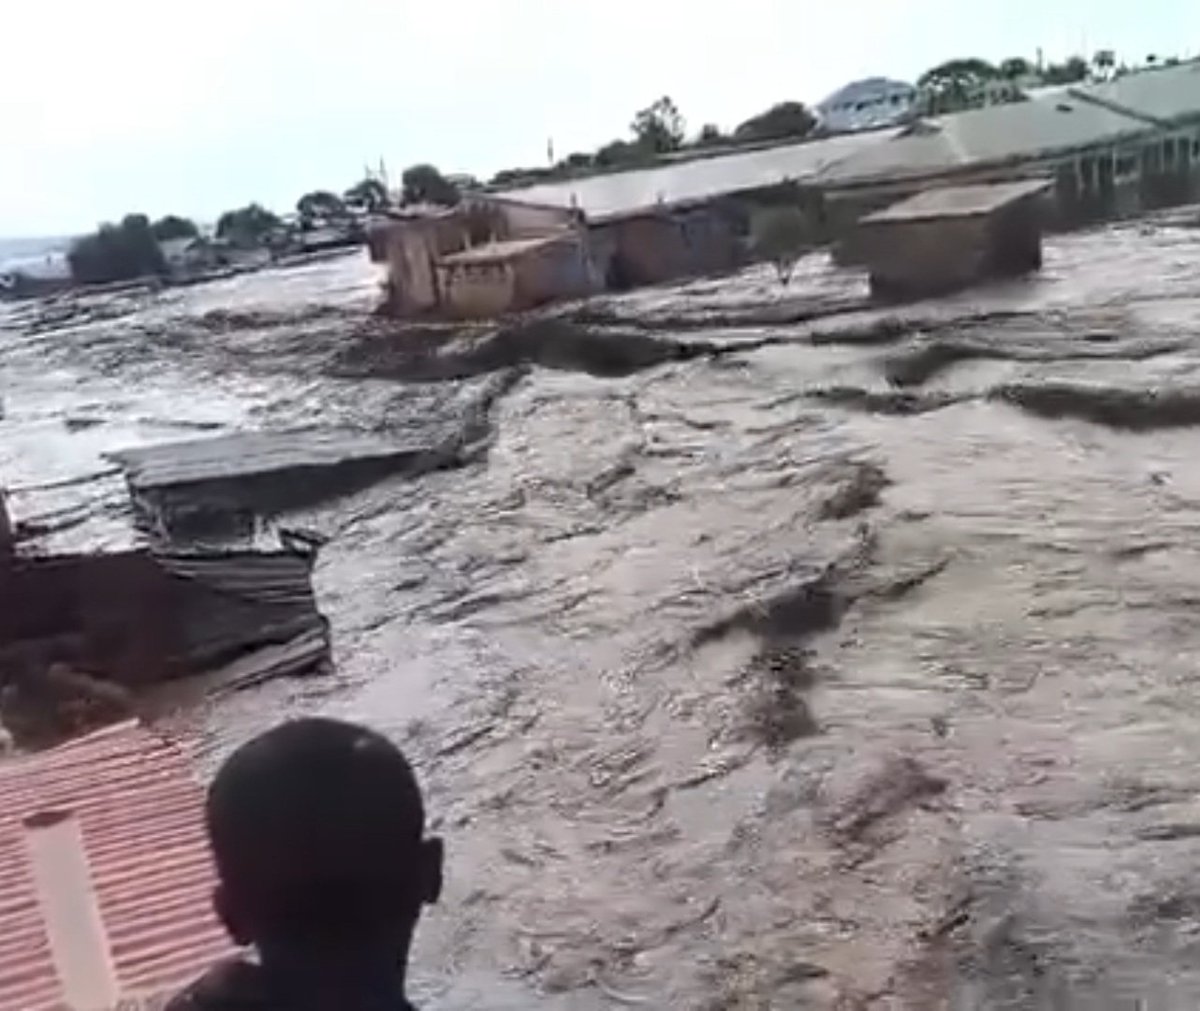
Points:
(1164, 94)
(248, 454)
(140, 812)
(998, 133)
(620, 194)
(958, 201)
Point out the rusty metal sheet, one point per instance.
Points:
(141, 814)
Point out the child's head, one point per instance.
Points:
(318, 830)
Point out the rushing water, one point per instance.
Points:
(849, 664)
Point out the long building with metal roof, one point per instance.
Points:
(623, 194)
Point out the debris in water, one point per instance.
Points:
(95, 629)
(857, 493)
(184, 486)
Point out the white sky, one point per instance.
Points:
(108, 106)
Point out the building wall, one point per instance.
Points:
(410, 249)
(654, 248)
(908, 259)
(905, 259)
(558, 270)
(478, 290)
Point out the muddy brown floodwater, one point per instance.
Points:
(774, 654)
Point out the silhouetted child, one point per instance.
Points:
(318, 830)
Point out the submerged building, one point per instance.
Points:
(509, 251)
(1112, 149)
(952, 237)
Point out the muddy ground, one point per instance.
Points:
(764, 651)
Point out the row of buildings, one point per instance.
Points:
(1108, 149)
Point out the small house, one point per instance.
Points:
(952, 237)
(485, 257)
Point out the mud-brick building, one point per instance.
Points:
(508, 276)
(485, 257)
(951, 237)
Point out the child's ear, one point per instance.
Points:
(433, 857)
(231, 917)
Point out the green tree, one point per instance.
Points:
(117, 252)
(369, 194)
(1071, 71)
(320, 204)
(1015, 67)
(577, 161)
(424, 184)
(171, 226)
(782, 120)
(954, 85)
(781, 235)
(710, 135)
(247, 226)
(620, 154)
(659, 128)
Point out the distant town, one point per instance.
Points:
(1083, 122)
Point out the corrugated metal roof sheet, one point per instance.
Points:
(141, 815)
(998, 133)
(1168, 93)
(245, 454)
(625, 193)
(958, 201)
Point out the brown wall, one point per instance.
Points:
(557, 270)
(908, 259)
(654, 248)
(478, 290)
(922, 257)
(410, 248)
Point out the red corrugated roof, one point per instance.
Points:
(141, 814)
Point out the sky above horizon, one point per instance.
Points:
(159, 107)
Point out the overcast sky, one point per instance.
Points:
(160, 106)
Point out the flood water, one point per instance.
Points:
(852, 664)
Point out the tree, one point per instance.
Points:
(369, 194)
(782, 120)
(659, 128)
(710, 135)
(172, 226)
(320, 204)
(117, 252)
(782, 235)
(247, 226)
(956, 84)
(424, 184)
(1072, 71)
(620, 154)
(1015, 67)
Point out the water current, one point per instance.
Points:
(770, 651)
